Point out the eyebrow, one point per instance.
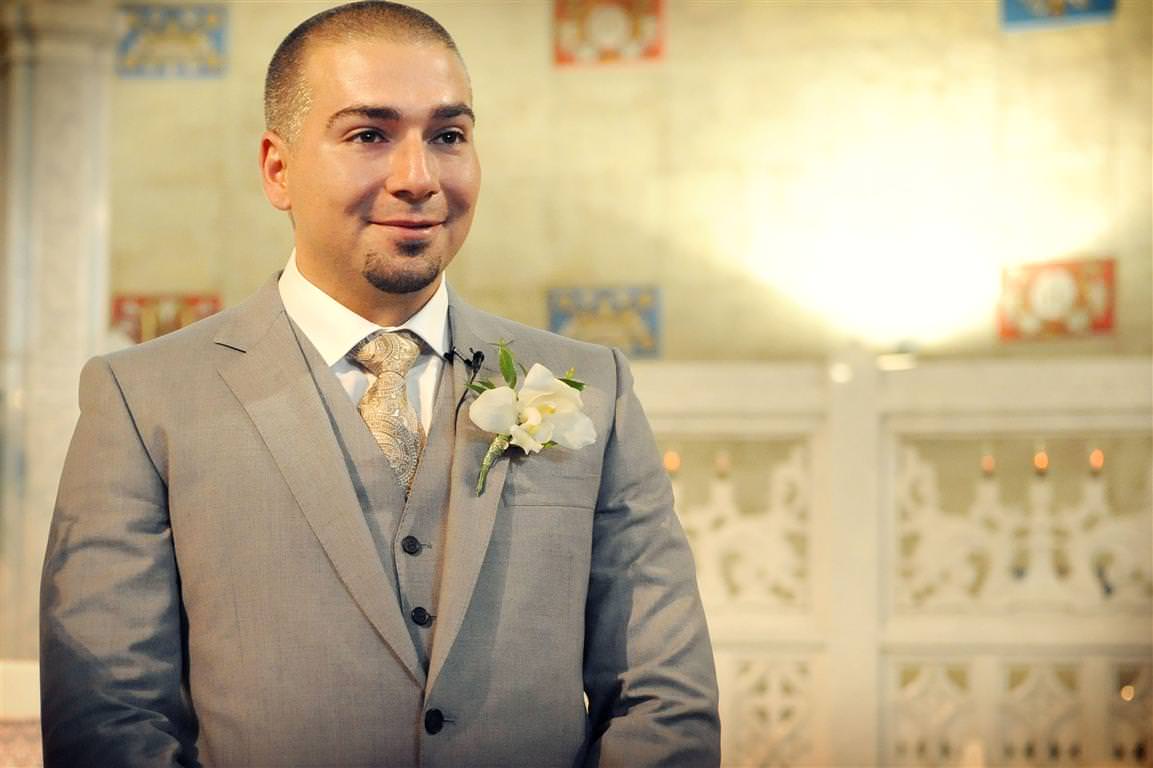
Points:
(447, 112)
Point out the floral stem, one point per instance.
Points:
(498, 446)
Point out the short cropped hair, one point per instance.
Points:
(286, 96)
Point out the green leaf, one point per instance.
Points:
(507, 365)
(549, 444)
(486, 383)
(480, 389)
(577, 385)
(569, 374)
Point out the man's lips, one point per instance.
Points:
(411, 223)
(410, 228)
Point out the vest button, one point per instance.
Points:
(433, 721)
(410, 544)
(422, 618)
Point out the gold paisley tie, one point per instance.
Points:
(390, 417)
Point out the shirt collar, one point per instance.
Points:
(334, 328)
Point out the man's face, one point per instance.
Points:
(383, 177)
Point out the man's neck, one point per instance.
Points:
(368, 301)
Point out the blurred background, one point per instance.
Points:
(883, 268)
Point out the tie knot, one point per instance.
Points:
(387, 352)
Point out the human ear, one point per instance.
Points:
(274, 170)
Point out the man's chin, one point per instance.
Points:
(401, 281)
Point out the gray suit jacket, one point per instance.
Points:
(212, 595)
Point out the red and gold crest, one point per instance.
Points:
(141, 317)
(602, 31)
(1057, 299)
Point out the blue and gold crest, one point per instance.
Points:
(1018, 13)
(622, 316)
(177, 41)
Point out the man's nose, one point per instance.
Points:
(412, 174)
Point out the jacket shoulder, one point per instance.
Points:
(180, 351)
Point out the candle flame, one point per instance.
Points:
(988, 464)
(723, 464)
(1041, 462)
(672, 462)
(1097, 460)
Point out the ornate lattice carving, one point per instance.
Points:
(933, 714)
(1130, 735)
(1045, 713)
(768, 713)
(1041, 715)
(1047, 551)
(755, 558)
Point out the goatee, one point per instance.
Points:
(418, 276)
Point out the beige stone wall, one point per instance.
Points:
(793, 174)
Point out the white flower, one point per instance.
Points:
(546, 410)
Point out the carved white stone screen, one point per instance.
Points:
(1041, 548)
(747, 517)
(745, 505)
(980, 529)
(1029, 711)
(949, 566)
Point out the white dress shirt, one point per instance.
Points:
(334, 330)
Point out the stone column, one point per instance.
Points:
(854, 545)
(55, 74)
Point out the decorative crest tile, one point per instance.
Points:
(1027, 13)
(621, 316)
(602, 31)
(140, 317)
(1057, 299)
(172, 41)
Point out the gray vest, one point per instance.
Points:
(409, 535)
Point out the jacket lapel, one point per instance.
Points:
(271, 379)
(470, 517)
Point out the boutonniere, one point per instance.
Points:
(544, 412)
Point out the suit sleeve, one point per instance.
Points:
(111, 648)
(648, 662)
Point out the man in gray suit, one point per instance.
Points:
(269, 546)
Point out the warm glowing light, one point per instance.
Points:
(1128, 692)
(988, 465)
(723, 464)
(672, 462)
(875, 247)
(901, 235)
(1097, 460)
(1041, 462)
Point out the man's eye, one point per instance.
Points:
(368, 137)
(450, 137)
